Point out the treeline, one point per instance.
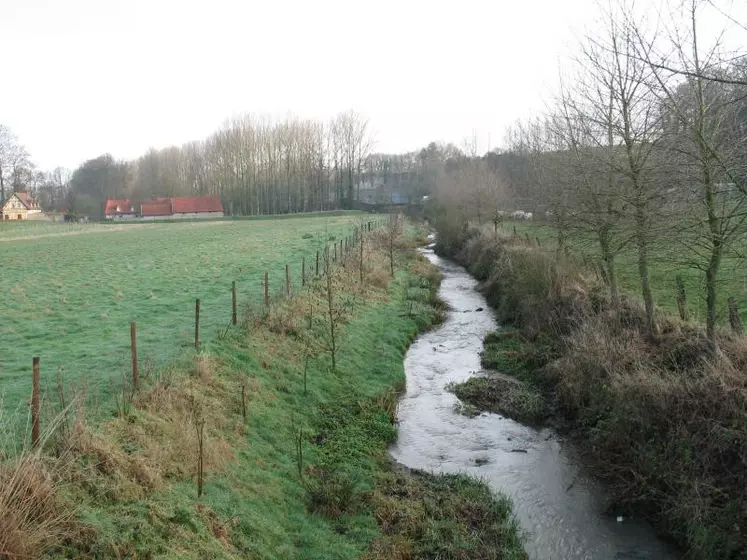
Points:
(256, 165)
(644, 146)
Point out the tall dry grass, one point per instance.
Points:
(663, 420)
(32, 516)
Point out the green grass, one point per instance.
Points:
(69, 291)
(667, 259)
(508, 387)
(341, 501)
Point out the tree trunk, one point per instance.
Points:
(609, 260)
(560, 227)
(714, 263)
(642, 244)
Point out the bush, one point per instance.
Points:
(662, 421)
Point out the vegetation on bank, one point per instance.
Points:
(667, 268)
(257, 446)
(662, 419)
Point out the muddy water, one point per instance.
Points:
(561, 509)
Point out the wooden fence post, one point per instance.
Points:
(335, 257)
(287, 281)
(133, 350)
(267, 289)
(734, 319)
(303, 271)
(197, 323)
(35, 402)
(681, 297)
(317, 263)
(234, 314)
(200, 464)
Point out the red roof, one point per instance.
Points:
(118, 206)
(25, 199)
(196, 204)
(156, 209)
(160, 206)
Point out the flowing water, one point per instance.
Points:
(561, 509)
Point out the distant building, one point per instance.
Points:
(387, 189)
(20, 206)
(119, 209)
(176, 208)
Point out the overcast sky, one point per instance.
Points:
(84, 77)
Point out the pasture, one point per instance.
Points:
(68, 292)
(668, 258)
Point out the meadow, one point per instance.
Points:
(667, 259)
(68, 292)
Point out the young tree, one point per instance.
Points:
(706, 136)
(634, 122)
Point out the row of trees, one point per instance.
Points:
(646, 144)
(256, 166)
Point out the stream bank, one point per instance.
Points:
(561, 508)
(659, 418)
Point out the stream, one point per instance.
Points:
(561, 509)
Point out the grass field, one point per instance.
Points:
(668, 259)
(68, 292)
(295, 449)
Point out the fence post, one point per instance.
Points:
(267, 289)
(335, 257)
(303, 271)
(317, 263)
(197, 323)
(35, 402)
(133, 349)
(681, 297)
(234, 315)
(538, 242)
(200, 465)
(734, 319)
(287, 281)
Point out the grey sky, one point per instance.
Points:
(83, 77)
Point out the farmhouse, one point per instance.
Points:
(119, 209)
(20, 206)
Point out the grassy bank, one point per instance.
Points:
(663, 421)
(294, 451)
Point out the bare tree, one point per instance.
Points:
(634, 122)
(14, 162)
(705, 135)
